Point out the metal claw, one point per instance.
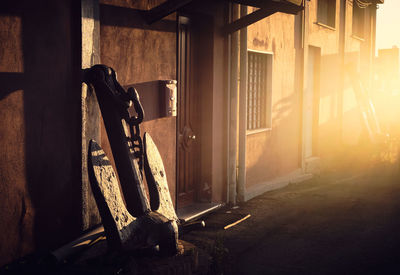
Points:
(135, 225)
(124, 231)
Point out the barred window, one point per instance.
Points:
(258, 98)
(327, 12)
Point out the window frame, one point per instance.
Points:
(268, 93)
(327, 19)
(358, 29)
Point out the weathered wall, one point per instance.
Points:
(327, 39)
(40, 199)
(140, 53)
(275, 152)
(339, 117)
(210, 78)
(220, 103)
(359, 55)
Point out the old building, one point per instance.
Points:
(310, 110)
(260, 99)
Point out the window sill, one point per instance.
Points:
(357, 37)
(325, 26)
(257, 131)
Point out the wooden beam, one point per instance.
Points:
(248, 20)
(296, 2)
(164, 9)
(282, 6)
(267, 8)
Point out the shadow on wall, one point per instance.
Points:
(141, 55)
(270, 153)
(40, 126)
(344, 141)
(162, 128)
(137, 51)
(277, 151)
(329, 120)
(274, 153)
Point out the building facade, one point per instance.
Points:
(260, 89)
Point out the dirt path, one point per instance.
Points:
(327, 225)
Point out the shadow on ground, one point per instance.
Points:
(333, 224)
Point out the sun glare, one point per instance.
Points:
(386, 84)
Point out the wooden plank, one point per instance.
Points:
(237, 222)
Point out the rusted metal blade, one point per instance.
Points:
(124, 231)
(114, 103)
(160, 198)
(115, 217)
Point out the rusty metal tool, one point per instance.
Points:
(130, 157)
(125, 144)
(124, 231)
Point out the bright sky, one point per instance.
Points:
(388, 25)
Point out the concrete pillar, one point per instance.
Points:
(90, 109)
(241, 187)
(233, 109)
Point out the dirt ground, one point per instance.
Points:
(333, 224)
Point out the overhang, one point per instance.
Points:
(363, 4)
(265, 8)
(368, 2)
(373, 1)
(265, 3)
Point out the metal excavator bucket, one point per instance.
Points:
(140, 224)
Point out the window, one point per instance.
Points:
(327, 12)
(358, 19)
(259, 90)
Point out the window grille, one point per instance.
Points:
(257, 97)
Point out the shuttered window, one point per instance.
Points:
(327, 12)
(258, 113)
(358, 19)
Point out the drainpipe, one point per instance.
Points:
(374, 7)
(342, 54)
(304, 45)
(233, 63)
(242, 109)
(305, 19)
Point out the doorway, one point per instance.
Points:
(187, 145)
(194, 115)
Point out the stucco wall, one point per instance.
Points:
(275, 152)
(339, 116)
(142, 53)
(40, 199)
(327, 39)
(358, 54)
